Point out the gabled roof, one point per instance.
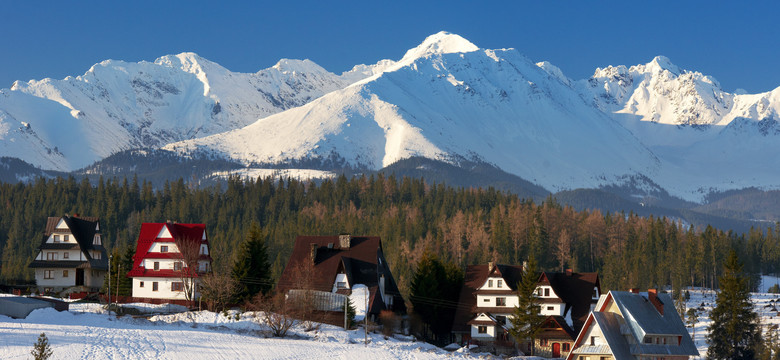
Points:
(148, 236)
(639, 317)
(363, 262)
(83, 230)
(553, 323)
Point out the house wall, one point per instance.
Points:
(546, 350)
(163, 288)
(73, 255)
(490, 301)
(171, 247)
(552, 309)
(490, 335)
(58, 281)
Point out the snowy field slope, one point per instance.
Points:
(86, 332)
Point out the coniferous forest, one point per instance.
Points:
(461, 226)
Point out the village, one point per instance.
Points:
(331, 276)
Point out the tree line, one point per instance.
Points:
(461, 226)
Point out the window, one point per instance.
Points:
(501, 320)
(540, 292)
(64, 273)
(592, 340)
(595, 293)
(543, 342)
(156, 266)
(341, 285)
(177, 266)
(96, 255)
(163, 248)
(96, 240)
(490, 283)
(66, 255)
(140, 284)
(546, 291)
(648, 340)
(154, 286)
(177, 286)
(65, 238)
(56, 238)
(51, 256)
(566, 347)
(482, 329)
(48, 274)
(500, 301)
(499, 283)
(551, 308)
(486, 300)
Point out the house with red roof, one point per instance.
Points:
(71, 255)
(169, 259)
(489, 296)
(339, 263)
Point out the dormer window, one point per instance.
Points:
(595, 293)
(163, 249)
(499, 283)
(65, 238)
(56, 238)
(490, 283)
(341, 285)
(96, 240)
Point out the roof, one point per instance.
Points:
(557, 325)
(83, 229)
(609, 324)
(643, 318)
(148, 236)
(363, 262)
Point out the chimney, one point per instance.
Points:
(634, 290)
(568, 272)
(75, 215)
(652, 295)
(344, 241)
(313, 253)
(490, 265)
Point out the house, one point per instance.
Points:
(169, 258)
(633, 325)
(337, 264)
(489, 297)
(71, 255)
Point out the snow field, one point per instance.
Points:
(88, 332)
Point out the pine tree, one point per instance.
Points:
(434, 288)
(251, 269)
(526, 322)
(41, 350)
(734, 333)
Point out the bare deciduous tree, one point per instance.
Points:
(187, 265)
(275, 312)
(563, 248)
(217, 290)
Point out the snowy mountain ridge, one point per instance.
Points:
(445, 99)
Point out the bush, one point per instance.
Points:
(390, 322)
(275, 312)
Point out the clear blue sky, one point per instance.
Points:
(736, 42)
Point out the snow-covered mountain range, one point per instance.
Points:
(655, 126)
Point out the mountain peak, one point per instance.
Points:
(441, 43)
(297, 66)
(661, 63)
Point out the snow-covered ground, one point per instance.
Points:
(88, 332)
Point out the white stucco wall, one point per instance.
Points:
(511, 301)
(557, 309)
(163, 288)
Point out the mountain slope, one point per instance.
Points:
(67, 124)
(448, 100)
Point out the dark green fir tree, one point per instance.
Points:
(526, 320)
(735, 332)
(251, 269)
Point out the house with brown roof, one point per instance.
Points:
(338, 264)
(633, 325)
(169, 259)
(71, 254)
(489, 296)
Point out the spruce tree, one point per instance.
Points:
(434, 290)
(251, 269)
(41, 350)
(526, 320)
(735, 332)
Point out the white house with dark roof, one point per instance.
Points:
(630, 325)
(71, 254)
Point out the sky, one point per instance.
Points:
(735, 42)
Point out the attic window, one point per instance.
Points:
(490, 283)
(96, 240)
(499, 283)
(341, 285)
(163, 248)
(65, 238)
(56, 238)
(96, 255)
